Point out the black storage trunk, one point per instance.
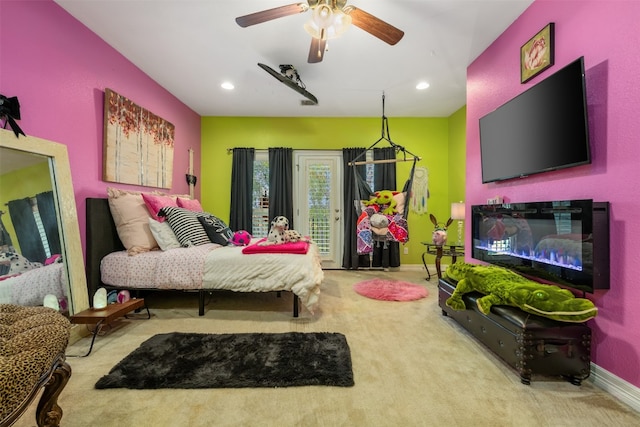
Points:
(531, 344)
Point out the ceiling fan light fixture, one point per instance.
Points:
(326, 23)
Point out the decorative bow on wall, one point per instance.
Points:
(10, 112)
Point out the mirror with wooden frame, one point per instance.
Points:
(40, 248)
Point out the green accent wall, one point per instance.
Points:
(457, 164)
(457, 158)
(26, 182)
(428, 138)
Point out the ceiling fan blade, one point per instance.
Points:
(374, 26)
(269, 14)
(289, 82)
(316, 51)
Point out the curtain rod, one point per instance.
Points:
(375, 162)
(28, 197)
(230, 150)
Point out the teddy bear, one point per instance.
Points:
(379, 225)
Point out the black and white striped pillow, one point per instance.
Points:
(185, 225)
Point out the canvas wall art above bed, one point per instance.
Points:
(154, 241)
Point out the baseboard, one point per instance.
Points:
(626, 392)
(415, 267)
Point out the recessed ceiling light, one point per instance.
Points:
(422, 85)
(227, 85)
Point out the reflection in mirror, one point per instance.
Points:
(40, 258)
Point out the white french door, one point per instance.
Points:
(317, 200)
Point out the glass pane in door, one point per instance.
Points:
(319, 190)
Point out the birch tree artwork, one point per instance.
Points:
(138, 145)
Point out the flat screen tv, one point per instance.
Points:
(543, 129)
(562, 242)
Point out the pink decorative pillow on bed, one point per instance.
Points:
(131, 217)
(190, 204)
(155, 203)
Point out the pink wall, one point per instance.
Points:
(606, 34)
(59, 70)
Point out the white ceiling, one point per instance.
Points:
(191, 46)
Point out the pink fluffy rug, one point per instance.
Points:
(390, 290)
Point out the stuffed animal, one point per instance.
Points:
(13, 263)
(439, 235)
(502, 286)
(291, 236)
(276, 234)
(379, 225)
(384, 197)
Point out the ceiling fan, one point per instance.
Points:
(290, 77)
(330, 18)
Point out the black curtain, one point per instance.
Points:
(354, 189)
(47, 210)
(241, 210)
(281, 184)
(5, 238)
(384, 178)
(27, 233)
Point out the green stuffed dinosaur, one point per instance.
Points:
(384, 197)
(505, 287)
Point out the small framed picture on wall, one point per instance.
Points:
(536, 55)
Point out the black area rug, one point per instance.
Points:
(188, 360)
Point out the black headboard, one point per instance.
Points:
(102, 239)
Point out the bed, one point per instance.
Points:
(30, 288)
(203, 268)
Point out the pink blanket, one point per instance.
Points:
(282, 248)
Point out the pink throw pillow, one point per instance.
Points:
(190, 204)
(155, 203)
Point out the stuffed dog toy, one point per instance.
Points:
(291, 236)
(14, 263)
(279, 225)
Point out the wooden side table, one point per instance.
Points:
(454, 251)
(104, 316)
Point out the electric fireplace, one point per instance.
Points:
(559, 242)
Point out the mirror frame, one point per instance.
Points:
(66, 209)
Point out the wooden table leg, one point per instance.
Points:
(438, 258)
(424, 262)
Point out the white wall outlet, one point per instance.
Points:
(406, 250)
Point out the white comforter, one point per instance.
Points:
(228, 268)
(30, 287)
(217, 267)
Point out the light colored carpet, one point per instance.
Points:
(412, 367)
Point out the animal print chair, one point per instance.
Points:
(33, 341)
